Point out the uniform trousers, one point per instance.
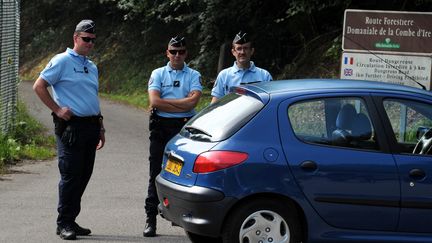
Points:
(75, 161)
(161, 131)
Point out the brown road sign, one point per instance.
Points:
(387, 31)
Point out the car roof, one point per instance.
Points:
(294, 85)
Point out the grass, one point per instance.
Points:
(140, 99)
(27, 139)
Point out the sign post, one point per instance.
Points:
(387, 46)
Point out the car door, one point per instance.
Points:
(408, 119)
(345, 173)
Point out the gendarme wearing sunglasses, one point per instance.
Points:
(75, 110)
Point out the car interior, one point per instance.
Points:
(352, 129)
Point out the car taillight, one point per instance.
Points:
(218, 160)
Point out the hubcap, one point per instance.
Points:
(264, 226)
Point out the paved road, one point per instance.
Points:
(112, 205)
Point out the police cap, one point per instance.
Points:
(86, 25)
(177, 42)
(241, 38)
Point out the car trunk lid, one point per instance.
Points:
(179, 159)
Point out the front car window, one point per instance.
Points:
(342, 122)
(222, 119)
(409, 121)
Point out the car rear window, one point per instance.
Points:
(222, 119)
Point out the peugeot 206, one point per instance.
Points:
(304, 161)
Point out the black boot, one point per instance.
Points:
(67, 233)
(150, 228)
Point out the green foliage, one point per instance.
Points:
(26, 129)
(334, 51)
(26, 140)
(36, 152)
(290, 36)
(9, 149)
(140, 99)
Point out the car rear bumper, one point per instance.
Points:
(197, 209)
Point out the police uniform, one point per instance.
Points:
(172, 84)
(74, 82)
(235, 76)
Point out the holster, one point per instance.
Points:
(65, 130)
(59, 124)
(153, 120)
(69, 135)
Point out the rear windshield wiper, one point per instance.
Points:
(194, 130)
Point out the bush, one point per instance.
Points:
(27, 139)
(9, 149)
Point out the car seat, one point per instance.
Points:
(344, 125)
(362, 128)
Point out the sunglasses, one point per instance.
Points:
(88, 39)
(174, 52)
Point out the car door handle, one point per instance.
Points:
(417, 174)
(308, 165)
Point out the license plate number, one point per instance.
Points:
(174, 167)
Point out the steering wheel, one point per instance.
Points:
(424, 145)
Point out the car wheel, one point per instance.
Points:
(263, 221)
(194, 238)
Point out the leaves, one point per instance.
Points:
(288, 34)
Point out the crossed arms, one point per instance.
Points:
(174, 105)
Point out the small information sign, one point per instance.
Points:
(387, 68)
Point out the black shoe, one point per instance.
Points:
(78, 230)
(150, 229)
(67, 234)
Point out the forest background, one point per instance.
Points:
(292, 38)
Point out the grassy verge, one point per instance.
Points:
(140, 99)
(26, 140)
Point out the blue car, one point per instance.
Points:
(304, 161)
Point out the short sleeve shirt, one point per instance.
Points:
(74, 82)
(234, 76)
(175, 84)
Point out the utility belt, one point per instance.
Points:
(87, 119)
(77, 119)
(156, 121)
(67, 130)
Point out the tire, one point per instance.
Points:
(263, 220)
(194, 238)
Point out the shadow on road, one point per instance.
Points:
(116, 238)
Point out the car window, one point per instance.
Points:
(343, 122)
(220, 120)
(409, 121)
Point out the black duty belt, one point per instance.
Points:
(87, 119)
(179, 119)
(170, 122)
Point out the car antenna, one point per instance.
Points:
(400, 71)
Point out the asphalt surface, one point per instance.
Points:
(113, 204)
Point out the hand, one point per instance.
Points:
(64, 113)
(191, 93)
(101, 140)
